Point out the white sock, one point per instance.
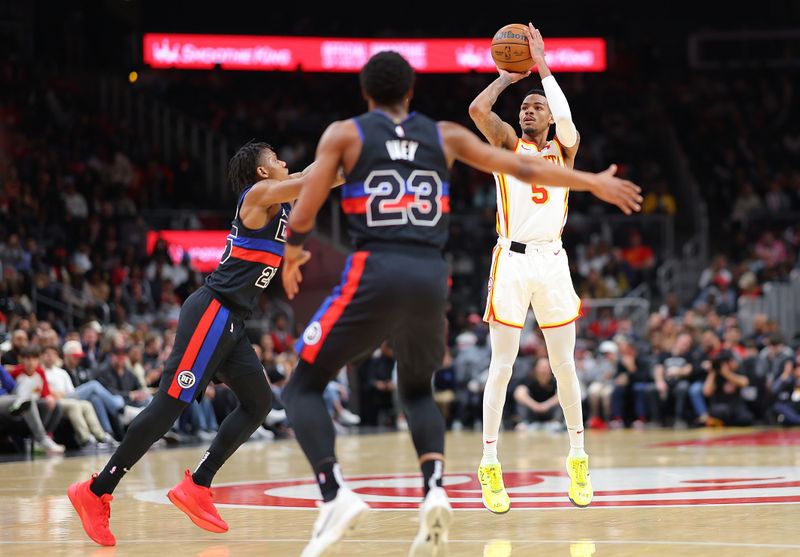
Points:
(577, 452)
(505, 345)
(489, 451)
(575, 431)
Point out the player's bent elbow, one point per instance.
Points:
(478, 110)
(566, 132)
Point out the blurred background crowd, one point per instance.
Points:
(692, 309)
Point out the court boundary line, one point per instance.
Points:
(703, 543)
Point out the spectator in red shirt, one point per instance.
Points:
(638, 255)
(32, 384)
(282, 339)
(640, 259)
(605, 326)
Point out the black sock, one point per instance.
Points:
(255, 401)
(328, 484)
(147, 428)
(431, 472)
(107, 480)
(205, 472)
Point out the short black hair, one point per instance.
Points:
(31, 351)
(724, 355)
(536, 91)
(242, 168)
(386, 78)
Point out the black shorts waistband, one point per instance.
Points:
(238, 311)
(401, 247)
(517, 247)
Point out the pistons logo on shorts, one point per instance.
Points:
(313, 333)
(186, 379)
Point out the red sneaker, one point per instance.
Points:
(597, 423)
(198, 504)
(93, 511)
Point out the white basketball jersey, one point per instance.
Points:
(531, 213)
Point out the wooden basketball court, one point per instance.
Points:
(657, 493)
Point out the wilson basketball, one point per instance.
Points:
(510, 49)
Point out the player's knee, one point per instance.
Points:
(264, 405)
(564, 369)
(500, 372)
(289, 395)
(411, 392)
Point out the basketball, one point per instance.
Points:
(510, 50)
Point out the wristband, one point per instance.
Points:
(295, 238)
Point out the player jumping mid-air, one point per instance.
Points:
(530, 267)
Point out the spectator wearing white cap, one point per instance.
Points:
(602, 387)
(107, 406)
(80, 413)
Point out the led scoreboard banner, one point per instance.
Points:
(319, 54)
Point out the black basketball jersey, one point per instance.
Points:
(250, 260)
(399, 189)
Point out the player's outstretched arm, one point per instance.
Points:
(566, 132)
(493, 128)
(339, 175)
(266, 193)
(321, 177)
(463, 145)
(315, 191)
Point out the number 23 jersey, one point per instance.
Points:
(399, 189)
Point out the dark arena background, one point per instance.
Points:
(117, 123)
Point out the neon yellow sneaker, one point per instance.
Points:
(580, 485)
(497, 548)
(495, 497)
(582, 549)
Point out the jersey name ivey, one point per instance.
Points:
(402, 149)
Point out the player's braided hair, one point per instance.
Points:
(386, 78)
(242, 168)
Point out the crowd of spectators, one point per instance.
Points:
(741, 134)
(292, 113)
(693, 368)
(73, 236)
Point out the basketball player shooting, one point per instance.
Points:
(394, 286)
(530, 267)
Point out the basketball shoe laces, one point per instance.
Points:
(495, 481)
(105, 501)
(207, 501)
(579, 470)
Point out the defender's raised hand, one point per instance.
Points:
(618, 191)
(291, 277)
